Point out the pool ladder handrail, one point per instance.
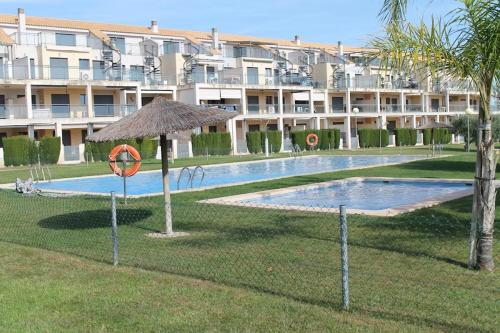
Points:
(39, 169)
(198, 167)
(180, 176)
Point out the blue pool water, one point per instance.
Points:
(362, 194)
(216, 175)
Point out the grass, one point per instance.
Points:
(407, 272)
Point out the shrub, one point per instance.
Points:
(373, 137)
(440, 135)
(211, 143)
(254, 142)
(406, 136)
(50, 148)
(327, 139)
(17, 150)
(274, 141)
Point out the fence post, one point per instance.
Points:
(344, 257)
(114, 228)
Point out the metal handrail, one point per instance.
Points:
(198, 167)
(180, 175)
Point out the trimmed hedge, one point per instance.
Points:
(254, 142)
(406, 136)
(327, 139)
(50, 148)
(99, 151)
(274, 141)
(211, 143)
(441, 136)
(373, 137)
(19, 150)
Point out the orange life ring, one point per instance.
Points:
(315, 139)
(128, 172)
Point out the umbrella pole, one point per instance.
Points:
(166, 185)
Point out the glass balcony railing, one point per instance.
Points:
(226, 107)
(24, 72)
(413, 108)
(66, 111)
(390, 108)
(296, 108)
(364, 108)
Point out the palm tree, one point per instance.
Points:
(463, 44)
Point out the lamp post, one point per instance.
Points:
(355, 110)
(468, 112)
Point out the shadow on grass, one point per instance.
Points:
(91, 219)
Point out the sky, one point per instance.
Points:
(326, 21)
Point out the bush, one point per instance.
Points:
(50, 148)
(406, 136)
(327, 139)
(16, 150)
(147, 148)
(254, 142)
(211, 144)
(373, 137)
(441, 136)
(274, 141)
(100, 150)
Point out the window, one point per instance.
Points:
(2, 108)
(212, 129)
(253, 104)
(103, 106)
(2, 74)
(119, 43)
(269, 100)
(269, 72)
(83, 99)
(65, 39)
(2, 135)
(170, 47)
(272, 127)
(59, 68)
(60, 105)
(254, 128)
(84, 64)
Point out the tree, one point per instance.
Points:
(464, 44)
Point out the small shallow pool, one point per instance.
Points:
(372, 196)
(148, 183)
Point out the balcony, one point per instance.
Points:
(226, 107)
(365, 108)
(263, 109)
(39, 72)
(296, 108)
(64, 111)
(391, 108)
(338, 109)
(413, 108)
(458, 107)
(373, 82)
(13, 111)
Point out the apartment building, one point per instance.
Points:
(69, 78)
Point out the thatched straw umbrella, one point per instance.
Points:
(161, 117)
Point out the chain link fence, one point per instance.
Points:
(394, 262)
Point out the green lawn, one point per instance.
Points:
(267, 269)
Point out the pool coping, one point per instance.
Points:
(235, 200)
(11, 186)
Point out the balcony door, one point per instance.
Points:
(103, 106)
(60, 105)
(2, 107)
(252, 75)
(59, 68)
(338, 104)
(435, 105)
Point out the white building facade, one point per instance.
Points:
(70, 78)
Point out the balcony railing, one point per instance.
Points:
(458, 107)
(338, 109)
(227, 107)
(13, 111)
(364, 108)
(24, 72)
(413, 108)
(373, 82)
(66, 111)
(237, 78)
(296, 108)
(391, 108)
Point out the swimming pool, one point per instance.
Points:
(371, 196)
(147, 183)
